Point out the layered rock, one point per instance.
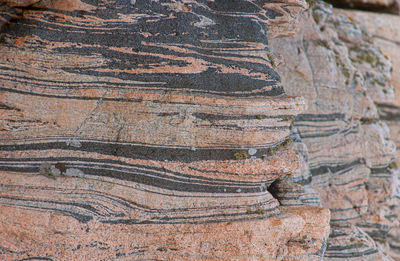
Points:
(340, 72)
(383, 28)
(385, 32)
(149, 130)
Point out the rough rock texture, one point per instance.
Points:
(175, 130)
(341, 73)
(150, 130)
(385, 31)
(389, 6)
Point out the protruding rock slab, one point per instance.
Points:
(314, 235)
(61, 237)
(340, 72)
(144, 129)
(385, 31)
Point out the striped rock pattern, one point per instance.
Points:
(147, 130)
(348, 148)
(385, 31)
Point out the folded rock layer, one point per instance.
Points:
(147, 129)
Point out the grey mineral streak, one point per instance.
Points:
(343, 75)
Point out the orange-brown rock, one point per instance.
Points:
(384, 30)
(148, 130)
(63, 5)
(341, 73)
(60, 237)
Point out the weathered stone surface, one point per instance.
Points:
(341, 73)
(313, 237)
(389, 6)
(149, 130)
(384, 30)
(287, 193)
(286, 21)
(352, 243)
(60, 237)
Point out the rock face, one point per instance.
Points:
(385, 31)
(343, 76)
(187, 130)
(150, 130)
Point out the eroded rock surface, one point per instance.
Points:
(161, 130)
(385, 31)
(150, 130)
(342, 75)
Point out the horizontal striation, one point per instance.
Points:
(98, 241)
(263, 170)
(141, 48)
(206, 190)
(203, 122)
(146, 130)
(351, 242)
(108, 200)
(341, 73)
(287, 193)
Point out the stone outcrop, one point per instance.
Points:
(385, 32)
(343, 75)
(150, 130)
(187, 130)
